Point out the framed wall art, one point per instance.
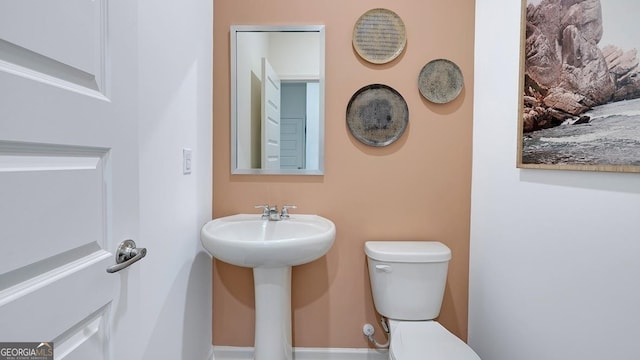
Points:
(580, 85)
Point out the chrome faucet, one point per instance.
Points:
(265, 211)
(284, 215)
(271, 212)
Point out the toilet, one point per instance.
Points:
(407, 281)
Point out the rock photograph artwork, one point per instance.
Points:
(581, 85)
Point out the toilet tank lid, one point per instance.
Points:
(407, 251)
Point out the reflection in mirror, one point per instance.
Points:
(277, 99)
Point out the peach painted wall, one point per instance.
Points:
(416, 188)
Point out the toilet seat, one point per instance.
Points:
(426, 340)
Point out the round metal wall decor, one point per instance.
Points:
(440, 81)
(379, 36)
(377, 115)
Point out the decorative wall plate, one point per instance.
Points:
(440, 81)
(377, 115)
(379, 36)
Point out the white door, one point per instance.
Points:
(292, 143)
(293, 124)
(270, 117)
(68, 175)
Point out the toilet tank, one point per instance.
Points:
(408, 277)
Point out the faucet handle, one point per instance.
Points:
(265, 210)
(285, 211)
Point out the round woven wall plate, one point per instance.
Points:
(379, 36)
(377, 115)
(440, 81)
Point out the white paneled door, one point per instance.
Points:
(270, 117)
(68, 176)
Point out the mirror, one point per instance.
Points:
(277, 99)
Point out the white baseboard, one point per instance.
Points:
(301, 353)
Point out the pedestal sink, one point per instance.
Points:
(271, 248)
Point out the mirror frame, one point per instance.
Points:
(235, 29)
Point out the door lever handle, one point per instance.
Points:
(126, 254)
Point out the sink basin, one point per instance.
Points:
(247, 240)
(271, 248)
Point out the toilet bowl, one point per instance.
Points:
(426, 340)
(407, 282)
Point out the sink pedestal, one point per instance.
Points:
(273, 313)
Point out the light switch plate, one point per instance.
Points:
(186, 161)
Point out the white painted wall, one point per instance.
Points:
(313, 126)
(251, 48)
(295, 55)
(175, 76)
(555, 255)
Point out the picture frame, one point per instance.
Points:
(579, 105)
